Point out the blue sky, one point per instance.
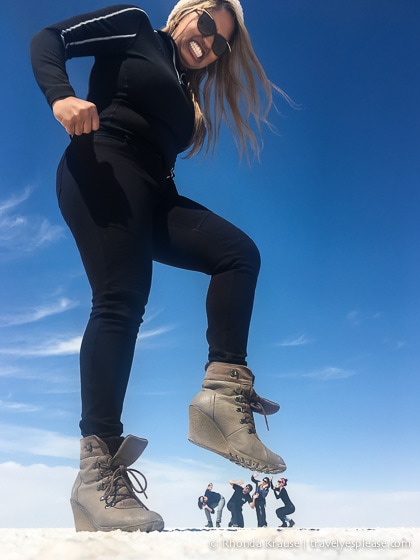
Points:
(334, 208)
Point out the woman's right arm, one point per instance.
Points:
(104, 32)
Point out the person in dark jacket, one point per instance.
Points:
(282, 512)
(216, 502)
(212, 502)
(152, 95)
(204, 505)
(241, 495)
(261, 492)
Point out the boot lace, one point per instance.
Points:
(248, 405)
(256, 405)
(121, 484)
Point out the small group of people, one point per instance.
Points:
(213, 502)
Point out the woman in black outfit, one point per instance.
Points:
(261, 492)
(282, 512)
(149, 99)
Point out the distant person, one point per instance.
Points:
(261, 491)
(204, 505)
(216, 502)
(241, 495)
(282, 512)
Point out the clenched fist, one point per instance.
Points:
(76, 115)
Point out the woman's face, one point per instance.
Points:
(195, 50)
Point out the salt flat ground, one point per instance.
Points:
(256, 544)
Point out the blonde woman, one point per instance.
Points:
(153, 94)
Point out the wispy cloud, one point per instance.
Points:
(32, 441)
(59, 347)
(300, 340)
(9, 371)
(54, 347)
(19, 233)
(64, 346)
(10, 406)
(356, 317)
(37, 313)
(394, 344)
(153, 333)
(330, 373)
(14, 200)
(323, 374)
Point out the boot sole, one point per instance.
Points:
(84, 522)
(208, 436)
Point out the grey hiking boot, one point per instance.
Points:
(104, 493)
(222, 421)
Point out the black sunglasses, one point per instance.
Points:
(207, 27)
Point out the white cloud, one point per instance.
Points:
(52, 347)
(10, 406)
(174, 485)
(14, 200)
(394, 344)
(330, 373)
(20, 233)
(36, 495)
(9, 371)
(36, 314)
(173, 489)
(153, 333)
(61, 346)
(323, 374)
(300, 340)
(354, 317)
(33, 441)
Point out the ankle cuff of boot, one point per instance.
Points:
(220, 371)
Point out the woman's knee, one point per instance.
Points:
(243, 255)
(119, 304)
(251, 256)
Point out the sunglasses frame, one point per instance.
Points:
(218, 39)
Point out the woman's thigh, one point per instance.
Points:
(188, 235)
(108, 201)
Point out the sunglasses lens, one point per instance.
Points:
(219, 45)
(206, 25)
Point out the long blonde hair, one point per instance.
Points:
(234, 89)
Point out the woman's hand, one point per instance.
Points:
(76, 115)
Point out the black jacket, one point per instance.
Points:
(135, 82)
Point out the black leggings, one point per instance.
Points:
(124, 213)
(237, 519)
(283, 512)
(260, 510)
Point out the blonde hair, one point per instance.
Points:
(231, 89)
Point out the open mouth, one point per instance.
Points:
(196, 49)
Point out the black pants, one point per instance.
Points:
(282, 512)
(124, 213)
(237, 517)
(260, 510)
